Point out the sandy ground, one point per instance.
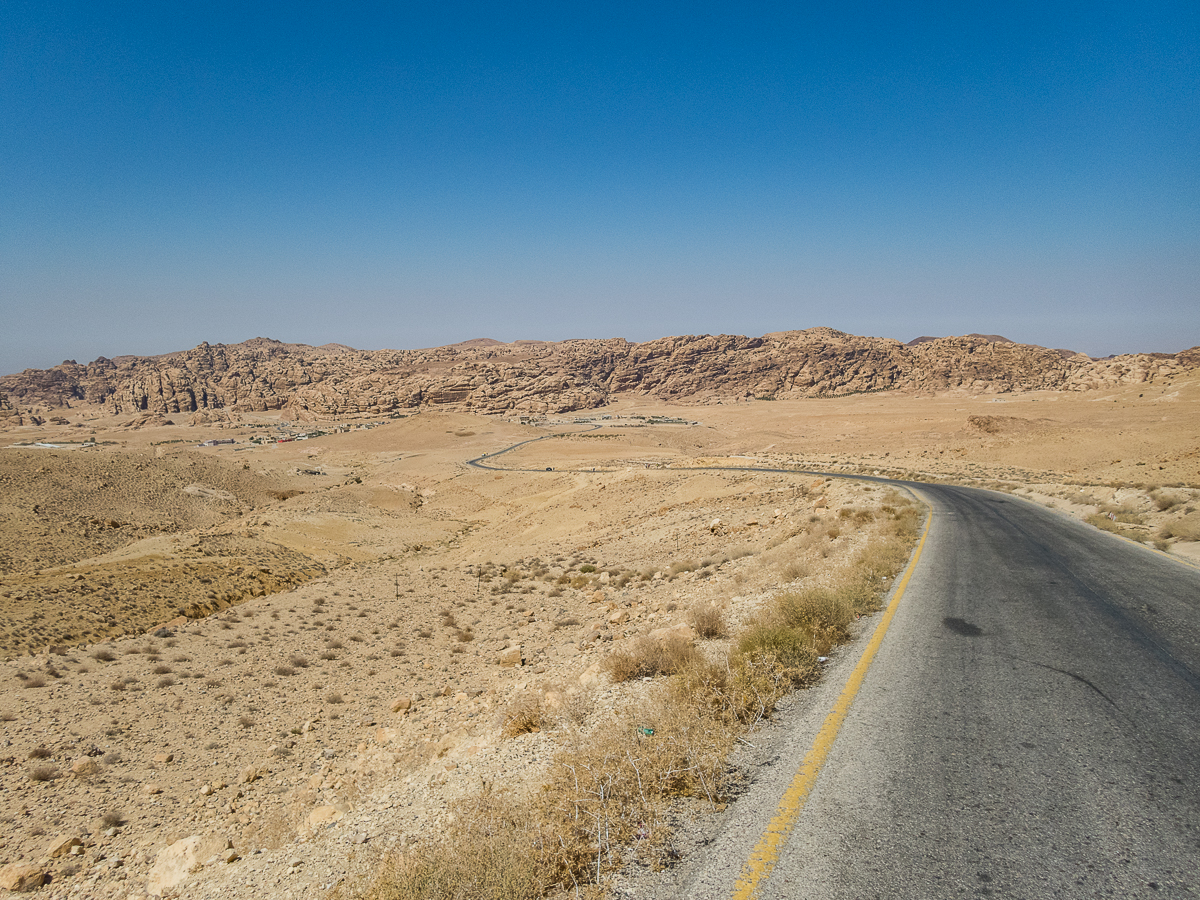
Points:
(305, 649)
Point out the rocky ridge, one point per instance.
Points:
(484, 376)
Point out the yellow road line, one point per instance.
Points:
(766, 854)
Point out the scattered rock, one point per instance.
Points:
(510, 657)
(18, 878)
(85, 766)
(62, 845)
(175, 862)
(322, 816)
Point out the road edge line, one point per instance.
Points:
(765, 855)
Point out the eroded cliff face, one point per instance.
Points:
(565, 376)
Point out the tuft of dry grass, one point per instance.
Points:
(645, 658)
(43, 773)
(708, 620)
(823, 614)
(1185, 529)
(1104, 523)
(508, 859)
(525, 715)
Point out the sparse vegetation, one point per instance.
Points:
(708, 620)
(645, 658)
(614, 784)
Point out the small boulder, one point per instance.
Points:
(510, 657)
(248, 775)
(61, 845)
(84, 766)
(19, 878)
(322, 816)
(174, 863)
(401, 704)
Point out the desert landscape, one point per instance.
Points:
(264, 622)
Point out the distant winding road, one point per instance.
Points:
(1029, 728)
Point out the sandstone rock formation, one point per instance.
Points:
(536, 377)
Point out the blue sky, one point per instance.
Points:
(409, 175)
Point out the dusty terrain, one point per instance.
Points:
(306, 649)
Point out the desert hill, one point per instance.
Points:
(485, 376)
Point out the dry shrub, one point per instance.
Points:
(777, 648)
(1164, 502)
(43, 773)
(824, 614)
(708, 620)
(1124, 513)
(792, 570)
(507, 858)
(526, 714)
(1104, 523)
(611, 786)
(1185, 529)
(103, 654)
(645, 658)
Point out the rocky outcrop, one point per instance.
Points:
(559, 377)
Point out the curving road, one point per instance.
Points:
(1029, 728)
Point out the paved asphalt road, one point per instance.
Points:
(1029, 728)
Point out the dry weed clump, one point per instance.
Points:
(824, 615)
(1104, 523)
(708, 620)
(645, 658)
(507, 858)
(1185, 529)
(526, 714)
